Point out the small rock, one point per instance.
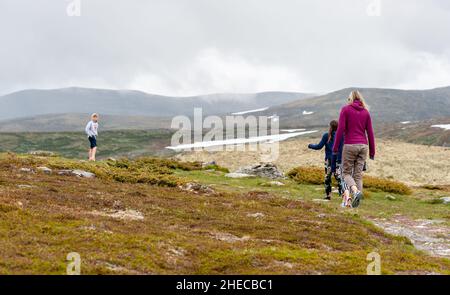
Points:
(128, 214)
(177, 251)
(445, 200)
(118, 205)
(26, 170)
(79, 173)
(256, 215)
(24, 186)
(84, 174)
(230, 238)
(44, 169)
(238, 175)
(42, 153)
(390, 198)
(321, 215)
(197, 188)
(283, 264)
(20, 204)
(276, 183)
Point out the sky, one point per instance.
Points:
(190, 47)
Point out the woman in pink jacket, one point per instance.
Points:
(356, 126)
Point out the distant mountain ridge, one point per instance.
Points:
(67, 109)
(29, 103)
(386, 105)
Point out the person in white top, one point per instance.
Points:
(92, 133)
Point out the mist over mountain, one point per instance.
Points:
(29, 103)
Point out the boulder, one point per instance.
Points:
(26, 170)
(267, 170)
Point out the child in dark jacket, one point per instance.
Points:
(332, 162)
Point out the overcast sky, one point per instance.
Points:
(187, 47)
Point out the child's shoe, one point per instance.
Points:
(357, 197)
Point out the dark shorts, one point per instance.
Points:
(93, 141)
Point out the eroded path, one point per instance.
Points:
(432, 236)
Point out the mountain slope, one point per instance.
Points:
(386, 105)
(76, 122)
(28, 103)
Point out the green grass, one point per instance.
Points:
(130, 143)
(419, 204)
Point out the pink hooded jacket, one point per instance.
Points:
(354, 124)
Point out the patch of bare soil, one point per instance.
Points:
(410, 163)
(432, 236)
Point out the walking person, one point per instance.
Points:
(355, 124)
(92, 133)
(332, 162)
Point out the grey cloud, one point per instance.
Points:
(186, 47)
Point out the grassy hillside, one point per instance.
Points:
(418, 132)
(76, 122)
(224, 226)
(386, 105)
(75, 145)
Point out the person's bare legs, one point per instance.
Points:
(90, 154)
(94, 151)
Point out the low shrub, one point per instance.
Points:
(153, 171)
(216, 168)
(314, 175)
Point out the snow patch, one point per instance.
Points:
(292, 130)
(306, 113)
(267, 138)
(446, 126)
(250, 111)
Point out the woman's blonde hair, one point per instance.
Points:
(94, 115)
(356, 95)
